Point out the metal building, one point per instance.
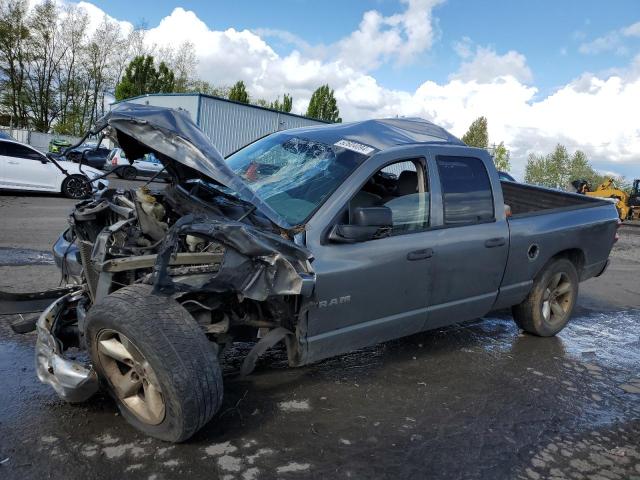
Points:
(229, 125)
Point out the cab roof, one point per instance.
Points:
(380, 134)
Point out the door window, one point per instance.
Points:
(466, 190)
(403, 188)
(20, 151)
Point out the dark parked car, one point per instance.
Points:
(94, 157)
(506, 177)
(327, 238)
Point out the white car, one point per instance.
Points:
(24, 168)
(147, 166)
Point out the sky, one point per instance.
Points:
(542, 72)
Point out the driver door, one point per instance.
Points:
(375, 290)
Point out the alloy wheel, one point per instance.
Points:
(78, 187)
(556, 300)
(131, 377)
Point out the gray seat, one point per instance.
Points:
(407, 183)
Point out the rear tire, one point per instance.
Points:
(76, 187)
(129, 173)
(167, 350)
(548, 307)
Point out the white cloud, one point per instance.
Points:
(485, 65)
(594, 113)
(97, 16)
(632, 30)
(614, 41)
(399, 37)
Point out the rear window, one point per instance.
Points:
(466, 190)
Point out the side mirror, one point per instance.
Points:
(367, 224)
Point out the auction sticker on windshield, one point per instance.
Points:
(355, 147)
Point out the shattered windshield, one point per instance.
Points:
(293, 175)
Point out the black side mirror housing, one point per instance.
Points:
(367, 224)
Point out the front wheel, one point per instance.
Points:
(155, 361)
(76, 187)
(547, 308)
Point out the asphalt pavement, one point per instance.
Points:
(475, 400)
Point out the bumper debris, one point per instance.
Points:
(71, 380)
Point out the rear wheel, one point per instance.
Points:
(76, 187)
(129, 173)
(548, 307)
(155, 361)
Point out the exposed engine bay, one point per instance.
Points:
(238, 273)
(184, 243)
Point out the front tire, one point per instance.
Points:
(548, 307)
(156, 362)
(76, 187)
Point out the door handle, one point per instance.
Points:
(495, 242)
(420, 254)
(14, 163)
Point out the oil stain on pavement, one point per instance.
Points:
(476, 400)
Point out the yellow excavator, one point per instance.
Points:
(628, 204)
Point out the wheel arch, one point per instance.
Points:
(574, 255)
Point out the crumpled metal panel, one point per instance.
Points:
(179, 143)
(256, 264)
(71, 380)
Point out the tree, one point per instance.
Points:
(14, 35)
(285, 106)
(238, 93)
(548, 170)
(164, 81)
(202, 86)
(45, 57)
(501, 157)
(323, 105)
(558, 169)
(477, 135)
(580, 169)
(184, 64)
(141, 77)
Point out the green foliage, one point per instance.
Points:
(558, 169)
(478, 134)
(238, 92)
(206, 88)
(285, 106)
(323, 105)
(141, 77)
(14, 35)
(501, 157)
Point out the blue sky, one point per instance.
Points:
(547, 32)
(543, 72)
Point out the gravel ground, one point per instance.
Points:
(475, 400)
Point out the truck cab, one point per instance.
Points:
(448, 227)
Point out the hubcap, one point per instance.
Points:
(557, 298)
(131, 377)
(77, 187)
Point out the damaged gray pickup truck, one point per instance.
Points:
(327, 239)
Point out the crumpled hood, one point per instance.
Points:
(181, 146)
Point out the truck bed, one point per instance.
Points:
(531, 200)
